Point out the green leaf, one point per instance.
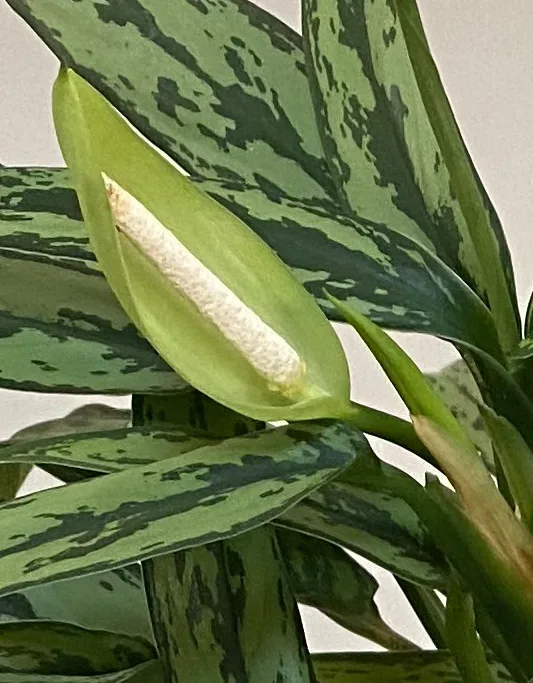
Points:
(462, 637)
(497, 573)
(393, 667)
(324, 576)
(144, 673)
(392, 144)
(56, 648)
(435, 425)
(96, 140)
(113, 601)
(378, 526)
(92, 417)
(208, 494)
(406, 377)
(477, 493)
(480, 218)
(458, 389)
(105, 451)
(11, 479)
(521, 365)
(516, 460)
(398, 283)
(223, 90)
(428, 608)
(495, 643)
(225, 611)
(505, 390)
(192, 411)
(61, 328)
(204, 601)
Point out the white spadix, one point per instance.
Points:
(270, 354)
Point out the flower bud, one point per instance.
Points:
(210, 296)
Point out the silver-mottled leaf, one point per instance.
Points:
(458, 389)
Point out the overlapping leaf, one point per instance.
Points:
(61, 328)
(55, 648)
(376, 525)
(144, 673)
(88, 418)
(113, 601)
(391, 141)
(459, 391)
(191, 410)
(521, 363)
(391, 278)
(208, 494)
(106, 451)
(222, 88)
(226, 612)
(395, 280)
(366, 667)
(324, 576)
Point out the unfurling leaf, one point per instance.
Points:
(203, 288)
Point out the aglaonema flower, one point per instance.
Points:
(211, 297)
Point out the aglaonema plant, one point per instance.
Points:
(325, 178)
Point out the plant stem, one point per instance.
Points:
(386, 426)
(428, 608)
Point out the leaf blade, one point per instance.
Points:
(215, 492)
(323, 576)
(56, 648)
(398, 157)
(205, 605)
(208, 84)
(376, 525)
(74, 338)
(392, 667)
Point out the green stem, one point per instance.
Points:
(493, 639)
(462, 638)
(385, 426)
(428, 608)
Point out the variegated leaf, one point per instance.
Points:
(521, 364)
(192, 411)
(357, 667)
(61, 328)
(56, 648)
(105, 451)
(324, 576)
(395, 158)
(89, 418)
(113, 601)
(458, 389)
(391, 278)
(222, 88)
(144, 673)
(394, 667)
(507, 390)
(375, 525)
(205, 495)
(225, 611)
(220, 85)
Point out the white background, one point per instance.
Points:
(483, 48)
